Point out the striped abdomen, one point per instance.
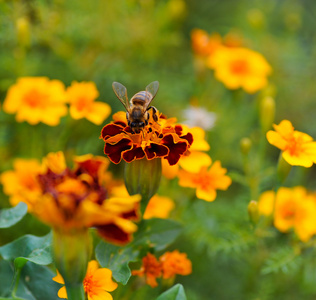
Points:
(141, 98)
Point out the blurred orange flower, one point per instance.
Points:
(175, 263)
(162, 139)
(81, 96)
(36, 99)
(240, 68)
(298, 148)
(204, 44)
(151, 269)
(97, 283)
(159, 207)
(206, 182)
(74, 198)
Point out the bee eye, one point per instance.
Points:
(141, 124)
(133, 124)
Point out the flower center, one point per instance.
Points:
(289, 211)
(203, 180)
(294, 146)
(239, 66)
(82, 103)
(88, 284)
(35, 98)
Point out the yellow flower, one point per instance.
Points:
(240, 68)
(206, 182)
(159, 207)
(295, 208)
(36, 99)
(81, 96)
(97, 283)
(266, 203)
(298, 148)
(21, 184)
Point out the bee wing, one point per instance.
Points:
(121, 93)
(153, 89)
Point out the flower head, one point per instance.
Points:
(97, 283)
(36, 99)
(240, 68)
(175, 263)
(206, 182)
(151, 269)
(81, 96)
(204, 44)
(77, 198)
(298, 148)
(161, 139)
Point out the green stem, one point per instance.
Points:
(15, 282)
(75, 292)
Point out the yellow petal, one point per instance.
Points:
(103, 277)
(195, 161)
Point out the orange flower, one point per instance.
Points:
(36, 99)
(298, 148)
(266, 203)
(204, 44)
(97, 283)
(240, 68)
(175, 263)
(161, 139)
(151, 269)
(158, 207)
(76, 198)
(295, 208)
(81, 96)
(206, 181)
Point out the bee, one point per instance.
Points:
(137, 108)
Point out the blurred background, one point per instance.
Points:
(138, 41)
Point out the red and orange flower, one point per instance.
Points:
(75, 198)
(161, 139)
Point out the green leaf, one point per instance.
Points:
(158, 233)
(28, 248)
(116, 259)
(11, 216)
(174, 293)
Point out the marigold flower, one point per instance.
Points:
(81, 96)
(151, 269)
(175, 263)
(36, 99)
(295, 208)
(97, 283)
(266, 203)
(240, 68)
(21, 184)
(161, 139)
(159, 207)
(298, 148)
(206, 182)
(75, 198)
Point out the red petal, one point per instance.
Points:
(111, 130)
(188, 137)
(134, 153)
(114, 234)
(175, 149)
(114, 152)
(156, 150)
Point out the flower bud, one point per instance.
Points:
(71, 251)
(245, 145)
(143, 177)
(23, 31)
(267, 113)
(253, 211)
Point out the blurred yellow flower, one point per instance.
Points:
(36, 99)
(206, 182)
(295, 208)
(266, 203)
(81, 96)
(240, 68)
(159, 207)
(21, 184)
(298, 148)
(97, 283)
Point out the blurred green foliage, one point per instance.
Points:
(138, 41)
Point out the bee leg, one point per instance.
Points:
(155, 117)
